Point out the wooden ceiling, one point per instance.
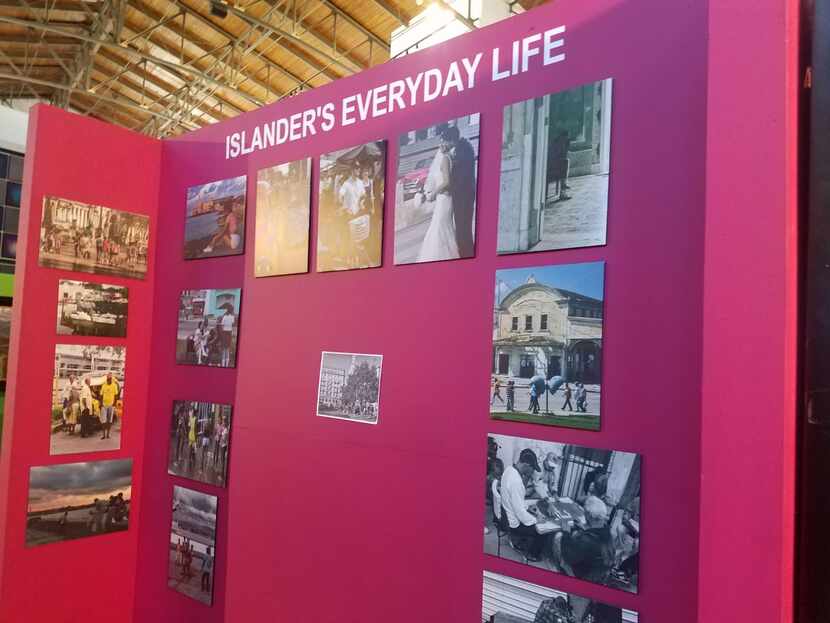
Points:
(163, 67)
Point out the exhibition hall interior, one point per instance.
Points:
(370, 311)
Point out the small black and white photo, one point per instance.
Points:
(564, 508)
(87, 308)
(349, 387)
(511, 600)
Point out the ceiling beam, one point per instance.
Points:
(350, 19)
(392, 11)
(54, 5)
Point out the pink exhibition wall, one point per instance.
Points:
(327, 520)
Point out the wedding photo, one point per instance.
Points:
(283, 208)
(435, 192)
(208, 327)
(546, 363)
(93, 239)
(87, 398)
(192, 547)
(200, 434)
(215, 221)
(350, 212)
(555, 169)
(511, 600)
(77, 500)
(86, 308)
(564, 508)
(349, 387)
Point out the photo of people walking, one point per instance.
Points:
(200, 435)
(192, 547)
(349, 387)
(350, 194)
(86, 308)
(87, 398)
(208, 327)
(77, 500)
(564, 508)
(435, 192)
(215, 220)
(93, 239)
(555, 170)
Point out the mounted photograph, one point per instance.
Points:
(555, 170)
(192, 547)
(564, 508)
(349, 387)
(350, 207)
(283, 209)
(87, 398)
(435, 192)
(208, 327)
(86, 308)
(93, 239)
(77, 500)
(200, 434)
(547, 354)
(215, 220)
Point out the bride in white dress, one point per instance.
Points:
(439, 242)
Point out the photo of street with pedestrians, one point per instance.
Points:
(435, 192)
(283, 209)
(192, 548)
(208, 327)
(511, 600)
(86, 308)
(87, 398)
(547, 345)
(564, 508)
(215, 219)
(350, 212)
(555, 169)
(77, 500)
(200, 434)
(349, 387)
(93, 239)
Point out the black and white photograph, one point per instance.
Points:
(511, 600)
(546, 363)
(349, 387)
(283, 208)
(208, 327)
(435, 192)
(564, 508)
(192, 549)
(200, 433)
(215, 219)
(77, 500)
(350, 211)
(87, 308)
(555, 170)
(87, 398)
(93, 239)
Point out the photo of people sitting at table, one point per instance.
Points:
(564, 508)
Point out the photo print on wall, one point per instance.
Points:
(564, 508)
(77, 500)
(283, 207)
(200, 434)
(350, 198)
(93, 239)
(547, 345)
(215, 220)
(510, 600)
(349, 387)
(435, 192)
(555, 166)
(87, 398)
(86, 308)
(192, 550)
(208, 327)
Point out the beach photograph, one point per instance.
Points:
(215, 222)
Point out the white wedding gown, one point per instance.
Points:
(439, 242)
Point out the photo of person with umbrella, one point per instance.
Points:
(208, 327)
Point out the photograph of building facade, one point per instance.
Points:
(555, 166)
(349, 386)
